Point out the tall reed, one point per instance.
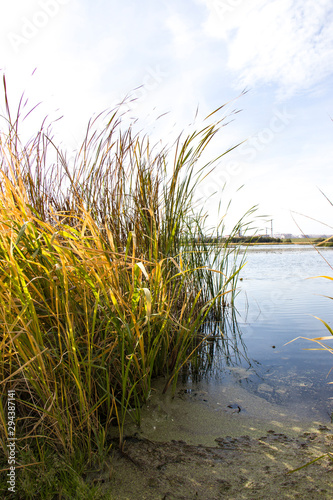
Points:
(103, 285)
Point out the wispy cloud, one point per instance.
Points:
(288, 43)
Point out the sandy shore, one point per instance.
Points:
(240, 446)
(238, 468)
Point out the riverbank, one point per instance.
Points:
(233, 444)
(235, 468)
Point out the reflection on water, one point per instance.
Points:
(276, 303)
(223, 347)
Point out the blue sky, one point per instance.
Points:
(176, 55)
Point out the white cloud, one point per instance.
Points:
(283, 42)
(183, 38)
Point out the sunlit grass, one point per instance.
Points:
(103, 285)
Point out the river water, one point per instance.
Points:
(278, 301)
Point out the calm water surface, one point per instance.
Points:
(277, 303)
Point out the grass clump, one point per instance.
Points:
(103, 285)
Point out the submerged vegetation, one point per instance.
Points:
(103, 285)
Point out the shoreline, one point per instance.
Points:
(235, 468)
(306, 243)
(186, 450)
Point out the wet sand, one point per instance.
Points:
(204, 445)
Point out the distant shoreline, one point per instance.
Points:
(294, 241)
(305, 243)
(277, 243)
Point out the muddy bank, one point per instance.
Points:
(200, 444)
(236, 468)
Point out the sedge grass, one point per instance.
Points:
(102, 283)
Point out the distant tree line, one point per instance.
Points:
(323, 242)
(240, 239)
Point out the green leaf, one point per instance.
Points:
(21, 233)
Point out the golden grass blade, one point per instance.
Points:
(307, 464)
(19, 370)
